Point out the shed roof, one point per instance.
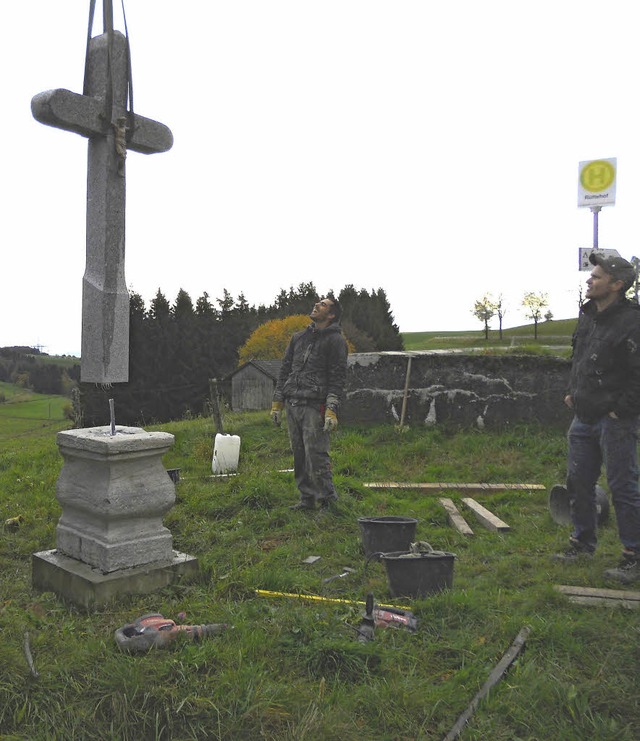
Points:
(270, 368)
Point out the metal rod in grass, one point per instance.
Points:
(29, 657)
(495, 676)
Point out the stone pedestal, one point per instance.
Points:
(114, 492)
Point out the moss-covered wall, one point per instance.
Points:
(456, 389)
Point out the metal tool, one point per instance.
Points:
(345, 572)
(367, 625)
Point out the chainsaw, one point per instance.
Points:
(156, 631)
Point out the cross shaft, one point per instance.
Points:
(101, 115)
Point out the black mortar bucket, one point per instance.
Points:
(418, 574)
(174, 474)
(386, 534)
(560, 504)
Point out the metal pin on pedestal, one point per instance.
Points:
(112, 413)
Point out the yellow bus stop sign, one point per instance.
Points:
(597, 183)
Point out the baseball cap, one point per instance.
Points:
(617, 267)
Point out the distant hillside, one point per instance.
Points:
(29, 368)
(554, 333)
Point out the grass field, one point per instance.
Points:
(25, 414)
(290, 669)
(556, 333)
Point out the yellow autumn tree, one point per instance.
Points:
(269, 341)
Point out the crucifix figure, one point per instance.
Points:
(101, 114)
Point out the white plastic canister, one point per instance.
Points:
(226, 452)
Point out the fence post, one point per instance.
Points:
(215, 405)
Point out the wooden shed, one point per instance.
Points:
(252, 385)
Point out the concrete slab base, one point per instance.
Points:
(85, 587)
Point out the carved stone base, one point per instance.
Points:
(114, 492)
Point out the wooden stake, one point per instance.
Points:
(456, 520)
(406, 393)
(488, 519)
(215, 405)
(495, 676)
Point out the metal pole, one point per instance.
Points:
(595, 210)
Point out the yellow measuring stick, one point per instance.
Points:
(318, 598)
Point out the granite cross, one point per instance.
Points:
(101, 115)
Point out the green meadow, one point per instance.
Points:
(290, 668)
(27, 414)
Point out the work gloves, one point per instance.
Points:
(276, 412)
(330, 420)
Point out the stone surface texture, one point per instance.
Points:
(114, 492)
(461, 390)
(79, 584)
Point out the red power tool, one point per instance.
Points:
(156, 631)
(386, 617)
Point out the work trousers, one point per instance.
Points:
(310, 447)
(614, 443)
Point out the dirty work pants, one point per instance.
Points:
(613, 442)
(310, 447)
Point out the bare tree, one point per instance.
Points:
(534, 304)
(484, 310)
(580, 297)
(500, 311)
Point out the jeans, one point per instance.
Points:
(310, 447)
(613, 442)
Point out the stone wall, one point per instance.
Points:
(471, 390)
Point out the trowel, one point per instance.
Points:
(345, 572)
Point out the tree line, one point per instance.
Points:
(176, 348)
(533, 305)
(29, 368)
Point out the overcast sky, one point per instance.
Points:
(427, 148)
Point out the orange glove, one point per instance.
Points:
(330, 420)
(276, 413)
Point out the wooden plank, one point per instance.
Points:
(600, 593)
(488, 519)
(456, 486)
(456, 520)
(591, 601)
(593, 596)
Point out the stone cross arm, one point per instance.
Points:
(84, 115)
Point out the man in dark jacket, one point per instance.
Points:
(311, 384)
(604, 393)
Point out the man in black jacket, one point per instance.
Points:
(311, 384)
(604, 393)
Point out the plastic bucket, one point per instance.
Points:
(418, 574)
(560, 504)
(387, 533)
(226, 452)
